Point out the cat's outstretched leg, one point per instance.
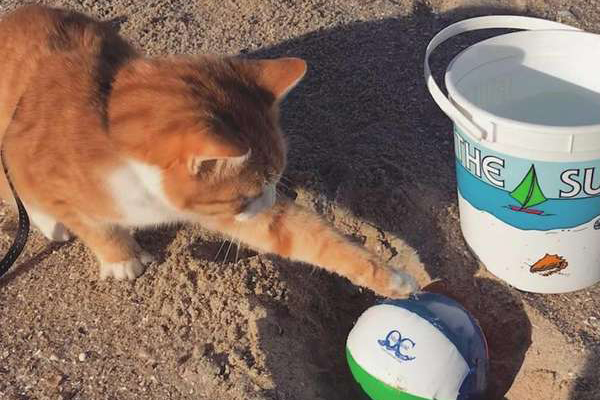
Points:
(120, 256)
(293, 232)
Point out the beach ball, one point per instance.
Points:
(424, 347)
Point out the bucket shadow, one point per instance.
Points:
(365, 135)
(587, 385)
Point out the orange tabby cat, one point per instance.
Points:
(100, 139)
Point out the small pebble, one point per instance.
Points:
(82, 357)
(55, 380)
(566, 14)
(53, 357)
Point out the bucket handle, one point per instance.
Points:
(472, 24)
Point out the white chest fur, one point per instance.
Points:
(137, 191)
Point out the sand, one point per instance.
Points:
(370, 151)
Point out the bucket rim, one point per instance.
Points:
(463, 102)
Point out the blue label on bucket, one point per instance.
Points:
(529, 195)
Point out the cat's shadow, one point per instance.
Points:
(365, 134)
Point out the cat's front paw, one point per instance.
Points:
(122, 270)
(145, 257)
(387, 281)
(392, 282)
(129, 269)
(401, 284)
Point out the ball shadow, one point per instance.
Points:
(587, 385)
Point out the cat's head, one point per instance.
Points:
(208, 128)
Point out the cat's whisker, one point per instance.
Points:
(288, 180)
(284, 185)
(281, 194)
(228, 249)
(280, 179)
(220, 248)
(237, 253)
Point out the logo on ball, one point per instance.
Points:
(394, 343)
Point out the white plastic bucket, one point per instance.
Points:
(526, 113)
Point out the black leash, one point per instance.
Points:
(22, 231)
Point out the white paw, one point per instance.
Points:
(60, 233)
(402, 284)
(145, 257)
(130, 269)
(52, 229)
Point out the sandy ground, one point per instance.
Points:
(370, 151)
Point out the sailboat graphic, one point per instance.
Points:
(528, 193)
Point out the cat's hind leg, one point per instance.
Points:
(49, 226)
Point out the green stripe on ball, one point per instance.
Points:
(376, 389)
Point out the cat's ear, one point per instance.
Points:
(279, 76)
(217, 156)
